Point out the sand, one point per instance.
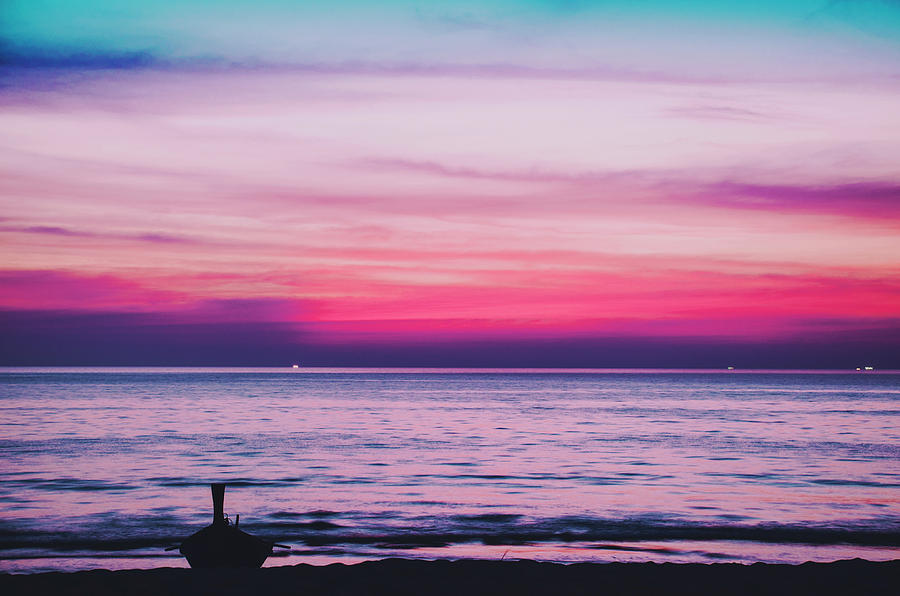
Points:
(472, 577)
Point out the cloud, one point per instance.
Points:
(852, 199)
(855, 199)
(521, 175)
(42, 57)
(39, 59)
(153, 238)
(164, 239)
(47, 290)
(50, 230)
(341, 317)
(719, 112)
(115, 338)
(555, 38)
(123, 338)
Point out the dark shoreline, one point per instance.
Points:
(472, 577)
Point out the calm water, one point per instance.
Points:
(107, 467)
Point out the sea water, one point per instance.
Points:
(108, 467)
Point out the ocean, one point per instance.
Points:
(107, 467)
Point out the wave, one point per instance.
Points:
(91, 485)
(334, 530)
(509, 530)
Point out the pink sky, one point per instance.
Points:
(406, 205)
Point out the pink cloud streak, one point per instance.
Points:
(366, 203)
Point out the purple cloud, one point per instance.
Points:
(868, 199)
(521, 175)
(155, 238)
(54, 231)
(117, 338)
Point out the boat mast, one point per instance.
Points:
(218, 497)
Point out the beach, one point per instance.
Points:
(471, 577)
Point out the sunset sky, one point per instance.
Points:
(506, 183)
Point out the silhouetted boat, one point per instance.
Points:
(222, 544)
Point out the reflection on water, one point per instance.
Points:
(349, 464)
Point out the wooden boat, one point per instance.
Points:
(222, 544)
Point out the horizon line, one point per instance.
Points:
(532, 369)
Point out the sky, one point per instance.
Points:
(507, 183)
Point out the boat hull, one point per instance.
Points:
(221, 545)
